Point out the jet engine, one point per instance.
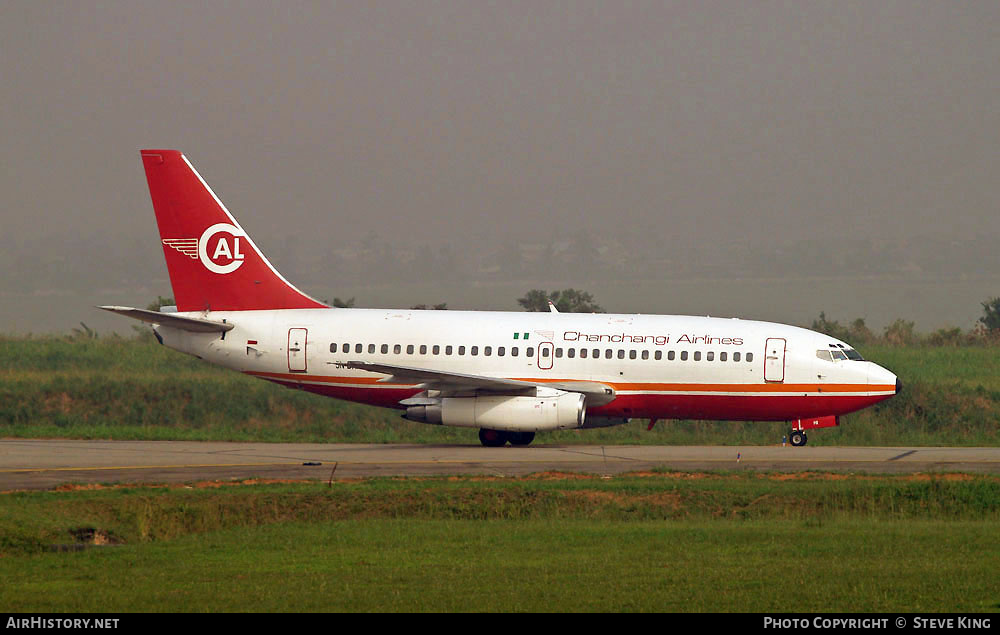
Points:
(557, 412)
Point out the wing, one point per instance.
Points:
(597, 393)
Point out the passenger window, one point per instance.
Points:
(697, 356)
(736, 357)
(632, 354)
(684, 356)
(530, 351)
(571, 353)
(397, 349)
(583, 353)
(436, 349)
(423, 349)
(709, 356)
(544, 351)
(670, 356)
(513, 351)
(357, 348)
(500, 351)
(385, 349)
(608, 353)
(558, 352)
(447, 350)
(487, 350)
(333, 348)
(346, 348)
(597, 353)
(371, 348)
(658, 356)
(474, 350)
(749, 357)
(461, 350)
(722, 356)
(645, 354)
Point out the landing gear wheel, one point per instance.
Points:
(797, 438)
(521, 438)
(492, 438)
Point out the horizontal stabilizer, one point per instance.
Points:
(195, 325)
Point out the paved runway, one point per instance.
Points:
(44, 464)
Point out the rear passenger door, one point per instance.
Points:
(297, 339)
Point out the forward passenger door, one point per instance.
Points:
(774, 359)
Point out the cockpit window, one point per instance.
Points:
(840, 352)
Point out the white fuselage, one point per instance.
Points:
(658, 366)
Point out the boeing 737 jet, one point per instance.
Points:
(509, 374)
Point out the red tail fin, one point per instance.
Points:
(213, 264)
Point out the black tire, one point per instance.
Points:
(492, 438)
(797, 438)
(521, 438)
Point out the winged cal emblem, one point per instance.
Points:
(187, 246)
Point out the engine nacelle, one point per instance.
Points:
(557, 412)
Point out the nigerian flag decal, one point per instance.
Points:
(522, 336)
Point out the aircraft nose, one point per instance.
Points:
(884, 379)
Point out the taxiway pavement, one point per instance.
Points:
(44, 464)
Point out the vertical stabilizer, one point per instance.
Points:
(213, 264)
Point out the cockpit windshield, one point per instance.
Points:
(839, 352)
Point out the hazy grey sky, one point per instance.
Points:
(681, 122)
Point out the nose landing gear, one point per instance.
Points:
(797, 438)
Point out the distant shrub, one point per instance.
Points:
(947, 337)
(900, 333)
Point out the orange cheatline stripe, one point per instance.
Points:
(769, 387)
(688, 387)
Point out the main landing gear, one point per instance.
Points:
(499, 438)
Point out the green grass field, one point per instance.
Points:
(122, 388)
(661, 542)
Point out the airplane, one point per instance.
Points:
(509, 374)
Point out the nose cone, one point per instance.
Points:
(883, 381)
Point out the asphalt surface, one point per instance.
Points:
(46, 464)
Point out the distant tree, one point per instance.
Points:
(160, 301)
(833, 328)
(859, 333)
(566, 301)
(947, 337)
(437, 307)
(535, 300)
(900, 333)
(86, 333)
(991, 315)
